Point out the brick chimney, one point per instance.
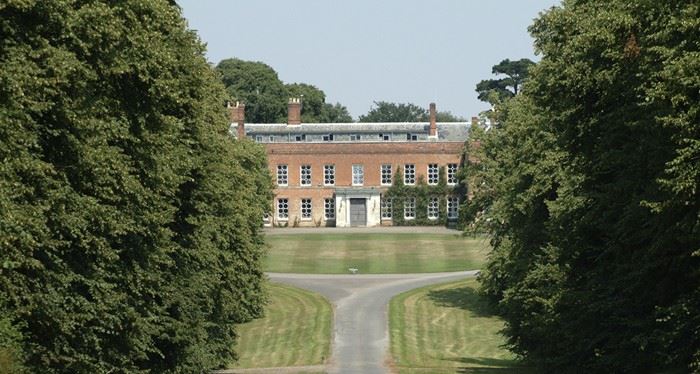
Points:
(294, 111)
(475, 121)
(433, 121)
(237, 115)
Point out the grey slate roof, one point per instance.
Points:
(447, 131)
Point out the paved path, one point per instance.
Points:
(361, 337)
(361, 230)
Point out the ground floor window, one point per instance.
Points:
(329, 208)
(305, 208)
(409, 208)
(386, 208)
(433, 208)
(283, 209)
(452, 207)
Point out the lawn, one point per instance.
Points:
(374, 253)
(447, 328)
(295, 331)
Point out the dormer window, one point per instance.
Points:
(385, 137)
(411, 137)
(355, 137)
(299, 137)
(258, 138)
(328, 138)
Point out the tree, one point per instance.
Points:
(129, 219)
(496, 90)
(589, 191)
(383, 111)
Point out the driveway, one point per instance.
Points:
(361, 337)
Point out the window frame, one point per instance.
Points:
(386, 208)
(286, 175)
(329, 208)
(382, 175)
(434, 176)
(452, 211)
(433, 208)
(361, 168)
(413, 175)
(286, 209)
(451, 174)
(310, 209)
(409, 205)
(302, 176)
(329, 176)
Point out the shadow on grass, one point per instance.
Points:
(465, 298)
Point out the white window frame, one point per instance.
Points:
(329, 208)
(451, 171)
(409, 180)
(411, 137)
(328, 137)
(329, 175)
(358, 175)
(433, 174)
(452, 207)
(283, 210)
(355, 137)
(258, 138)
(433, 208)
(271, 138)
(306, 204)
(386, 208)
(305, 175)
(409, 208)
(386, 137)
(385, 170)
(283, 176)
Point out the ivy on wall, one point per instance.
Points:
(399, 193)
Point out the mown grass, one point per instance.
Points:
(294, 332)
(447, 328)
(374, 253)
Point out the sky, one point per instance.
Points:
(361, 51)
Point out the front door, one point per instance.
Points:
(358, 212)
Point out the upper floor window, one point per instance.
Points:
(358, 175)
(271, 138)
(409, 174)
(258, 138)
(282, 175)
(328, 137)
(385, 137)
(282, 209)
(299, 137)
(433, 208)
(305, 208)
(411, 137)
(329, 175)
(451, 174)
(386, 175)
(433, 174)
(305, 175)
(355, 137)
(452, 207)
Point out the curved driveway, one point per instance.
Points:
(361, 337)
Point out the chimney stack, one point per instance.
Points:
(237, 115)
(433, 121)
(475, 121)
(294, 111)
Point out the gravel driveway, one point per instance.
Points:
(361, 337)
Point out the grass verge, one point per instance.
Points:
(447, 328)
(374, 253)
(294, 332)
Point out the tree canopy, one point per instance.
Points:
(497, 90)
(383, 111)
(589, 188)
(129, 218)
(265, 95)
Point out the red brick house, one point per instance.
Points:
(334, 174)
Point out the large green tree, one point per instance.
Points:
(588, 186)
(265, 95)
(497, 90)
(383, 111)
(129, 219)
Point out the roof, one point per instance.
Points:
(447, 131)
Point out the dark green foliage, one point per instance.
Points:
(383, 111)
(422, 192)
(11, 355)
(497, 90)
(128, 217)
(589, 186)
(266, 96)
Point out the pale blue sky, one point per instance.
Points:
(362, 51)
